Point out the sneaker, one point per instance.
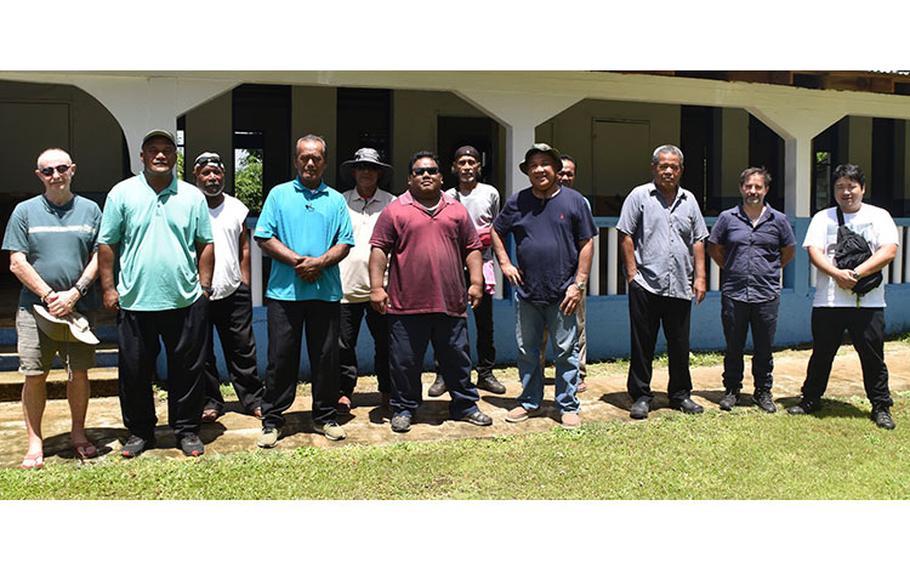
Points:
(805, 406)
(477, 418)
(570, 420)
(490, 384)
(882, 418)
(191, 445)
(401, 423)
(136, 445)
(268, 438)
(764, 401)
(518, 414)
(437, 388)
(582, 387)
(330, 430)
(729, 400)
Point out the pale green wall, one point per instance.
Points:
(731, 141)
(855, 138)
(314, 111)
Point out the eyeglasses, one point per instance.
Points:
(420, 171)
(61, 169)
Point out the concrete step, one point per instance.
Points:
(103, 381)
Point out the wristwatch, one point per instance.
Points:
(81, 288)
(581, 285)
(208, 290)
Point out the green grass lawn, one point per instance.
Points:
(839, 454)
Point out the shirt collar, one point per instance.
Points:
(407, 199)
(171, 188)
(298, 185)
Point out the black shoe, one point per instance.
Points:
(401, 423)
(437, 388)
(764, 401)
(687, 405)
(478, 418)
(882, 418)
(136, 445)
(490, 384)
(639, 410)
(805, 406)
(191, 445)
(729, 400)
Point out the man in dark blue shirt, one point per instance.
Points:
(752, 242)
(553, 228)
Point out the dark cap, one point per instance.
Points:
(208, 158)
(541, 148)
(158, 132)
(467, 151)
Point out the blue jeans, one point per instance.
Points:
(529, 328)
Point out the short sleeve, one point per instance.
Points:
(630, 214)
(787, 238)
(203, 223)
(816, 234)
(506, 218)
(265, 226)
(718, 234)
(111, 231)
(468, 233)
(887, 230)
(16, 237)
(586, 228)
(96, 225)
(345, 232)
(699, 229)
(494, 205)
(384, 234)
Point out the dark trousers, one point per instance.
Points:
(647, 312)
(286, 321)
(408, 339)
(351, 318)
(232, 316)
(866, 327)
(185, 333)
(737, 318)
(486, 351)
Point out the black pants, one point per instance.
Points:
(647, 312)
(185, 333)
(408, 339)
(232, 316)
(286, 321)
(737, 318)
(486, 350)
(351, 318)
(866, 327)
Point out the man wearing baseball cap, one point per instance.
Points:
(231, 306)
(553, 231)
(482, 202)
(158, 228)
(51, 239)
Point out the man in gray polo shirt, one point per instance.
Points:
(661, 237)
(51, 239)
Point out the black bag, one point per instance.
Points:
(851, 250)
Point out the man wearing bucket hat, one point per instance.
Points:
(553, 230)
(365, 202)
(231, 306)
(482, 202)
(52, 243)
(158, 228)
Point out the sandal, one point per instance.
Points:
(32, 462)
(85, 450)
(210, 415)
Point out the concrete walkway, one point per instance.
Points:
(605, 399)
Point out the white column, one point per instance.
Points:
(798, 176)
(255, 272)
(519, 137)
(612, 258)
(899, 259)
(594, 277)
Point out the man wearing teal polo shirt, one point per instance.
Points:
(306, 229)
(159, 229)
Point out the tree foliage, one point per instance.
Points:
(248, 181)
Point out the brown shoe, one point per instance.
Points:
(517, 414)
(570, 420)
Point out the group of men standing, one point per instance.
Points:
(174, 261)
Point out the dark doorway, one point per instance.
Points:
(262, 121)
(696, 140)
(826, 154)
(766, 149)
(480, 132)
(884, 182)
(364, 121)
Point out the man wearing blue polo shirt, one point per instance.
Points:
(306, 229)
(159, 229)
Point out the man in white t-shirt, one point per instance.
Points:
(230, 306)
(365, 202)
(837, 306)
(482, 202)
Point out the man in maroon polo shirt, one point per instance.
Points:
(429, 238)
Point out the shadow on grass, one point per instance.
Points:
(830, 408)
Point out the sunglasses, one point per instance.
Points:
(49, 171)
(420, 171)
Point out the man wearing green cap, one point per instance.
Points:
(553, 231)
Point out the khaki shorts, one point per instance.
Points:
(37, 350)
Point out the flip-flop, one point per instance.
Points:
(210, 415)
(85, 451)
(32, 462)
